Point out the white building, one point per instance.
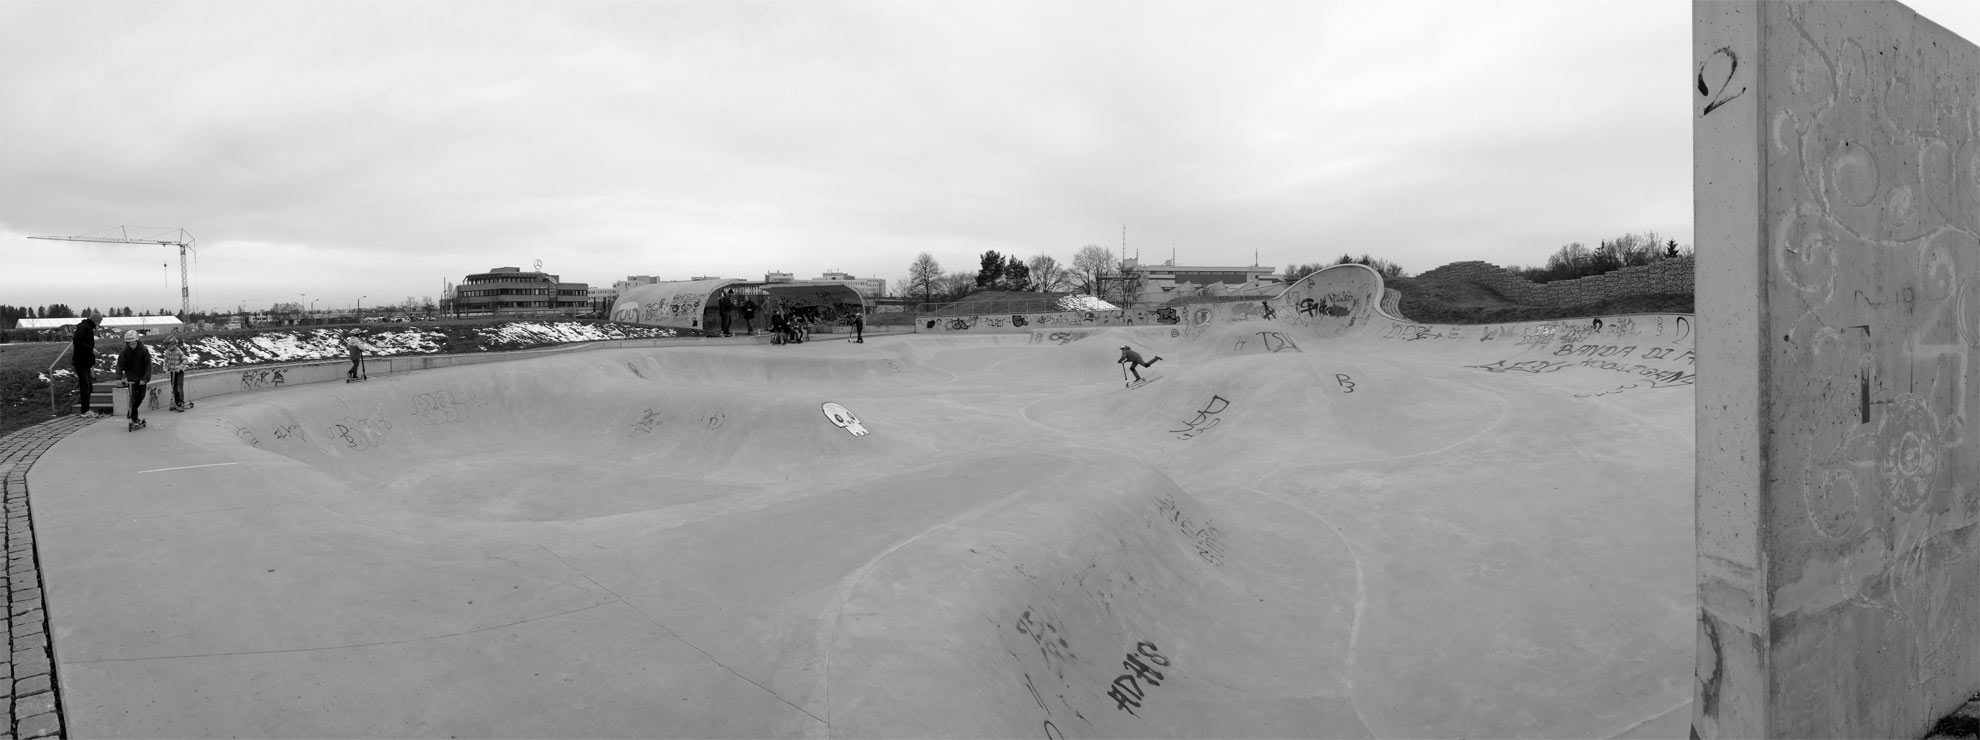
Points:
(1168, 280)
(145, 325)
(867, 287)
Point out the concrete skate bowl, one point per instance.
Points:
(1386, 530)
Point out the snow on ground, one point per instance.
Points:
(299, 345)
(1085, 303)
(305, 344)
(535, 333)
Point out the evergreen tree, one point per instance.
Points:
(1017, 274)
(991, 274)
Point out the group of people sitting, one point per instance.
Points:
(790, 328)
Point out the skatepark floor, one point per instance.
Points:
(1378, 534)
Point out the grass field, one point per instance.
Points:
(23, 392)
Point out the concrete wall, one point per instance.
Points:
(1664, 276)
(1837, 205)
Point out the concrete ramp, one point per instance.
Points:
(1352, 527)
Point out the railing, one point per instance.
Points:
(53, 407)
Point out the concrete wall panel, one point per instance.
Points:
(1837, 165)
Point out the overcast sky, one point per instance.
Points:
(345, 149)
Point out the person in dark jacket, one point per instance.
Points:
(722, 308)
(1133, 361)
(84, 362)
(135, 365)
(859, 327)
(749, 315)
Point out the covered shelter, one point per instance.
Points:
(692, 304)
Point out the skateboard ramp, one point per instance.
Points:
(1376, 530)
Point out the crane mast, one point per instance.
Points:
(178, 238)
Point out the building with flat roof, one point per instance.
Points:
(867, 287)
(511, 290)
(145, 325)
(1167, 281)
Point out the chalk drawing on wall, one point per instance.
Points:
(1882, 248)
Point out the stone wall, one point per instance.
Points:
(1661, 277)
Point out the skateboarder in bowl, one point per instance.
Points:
(1133, 361)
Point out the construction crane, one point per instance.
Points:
(178, 238)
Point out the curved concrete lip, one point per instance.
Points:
(1401, 531)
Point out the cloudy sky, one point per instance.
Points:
(369, 148)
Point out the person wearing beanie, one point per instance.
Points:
(1134, 362)
(135, 365)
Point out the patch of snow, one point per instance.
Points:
(1085, 303)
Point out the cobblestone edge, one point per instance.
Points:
(33, 693)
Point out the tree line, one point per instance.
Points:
(1576, 260)
(13, 314)
(1093, 271)
(1097, 272)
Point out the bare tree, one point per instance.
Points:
(954, 286)
(1047, 275)
(1125, 288)
(1091, 267)
(922, 276)
(1295, 273)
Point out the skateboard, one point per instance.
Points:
(182, 407)
(136, 425)
(1133, 384)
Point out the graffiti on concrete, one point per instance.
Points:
(239, 432)
(648, 422)
(1126, 689)
(1206, 539)
(252, 379)
(290, 431)
(843, 418)
(1535, 367)
(360, 434)
(1346, 383)
(439, 407)
(1206, 419)
(1056, 337)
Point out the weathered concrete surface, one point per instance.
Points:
(1396, 530)
(1837, 159)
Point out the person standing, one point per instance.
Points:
(859, 327)
(1133, 361)
(175, 367)
(749, 315)
(134, 363)
(84, 362)
(723, 307)
(356, 347)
